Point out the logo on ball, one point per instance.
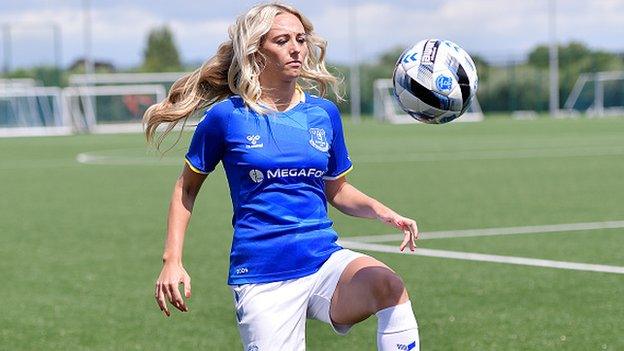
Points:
(256, 175)
(444, 83)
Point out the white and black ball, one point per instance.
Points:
(435, 81)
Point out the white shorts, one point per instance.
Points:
(272, 316)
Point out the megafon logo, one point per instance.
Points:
(294, 172)
(257, 176)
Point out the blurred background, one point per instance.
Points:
(533, 57)
(521, 212)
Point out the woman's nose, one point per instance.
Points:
(295, 47)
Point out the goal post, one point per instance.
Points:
(165, 78)
(597, 94)
(30, 110)
(110, 108)
(115, 102)
(387, 109)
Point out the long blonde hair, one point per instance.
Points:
(235, 70)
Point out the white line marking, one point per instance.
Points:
(91, 158)
(470, 256)
(565, 227)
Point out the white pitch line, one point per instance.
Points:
(470, 256)
(87, 158)
(565, 227)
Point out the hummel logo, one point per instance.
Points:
(408, 347)
(253, 139)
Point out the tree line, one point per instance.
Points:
(503, 86)
(515, 85)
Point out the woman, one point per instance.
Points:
(284, 154)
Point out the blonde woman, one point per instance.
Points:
(285, 157)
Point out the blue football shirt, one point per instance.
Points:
(276, 165)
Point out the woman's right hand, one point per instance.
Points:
(171, 276)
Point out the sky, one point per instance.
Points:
(495, 29)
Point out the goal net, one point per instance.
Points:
(597, 94)
(28, 110)
(114, 102)
(387, 109)
(110, 108)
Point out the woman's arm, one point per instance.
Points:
(349, 200)
(173, 273)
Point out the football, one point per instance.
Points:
(435, 81)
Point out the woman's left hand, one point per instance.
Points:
(407, 225)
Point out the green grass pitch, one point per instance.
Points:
(80, 244)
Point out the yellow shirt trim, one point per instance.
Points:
(340, 175)
(193, 167)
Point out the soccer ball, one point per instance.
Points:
(435, 81)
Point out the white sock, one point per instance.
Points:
(397, 329)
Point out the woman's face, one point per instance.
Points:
(284, 48)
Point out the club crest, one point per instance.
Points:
(318, 139)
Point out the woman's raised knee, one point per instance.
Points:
(389, 290)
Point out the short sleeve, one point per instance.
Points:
(339, 160)
(207, 145)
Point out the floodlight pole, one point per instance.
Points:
(88, 59)
(89, 102)
(58, 42)
(354, 76)
(6, 44)
(553, 59)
